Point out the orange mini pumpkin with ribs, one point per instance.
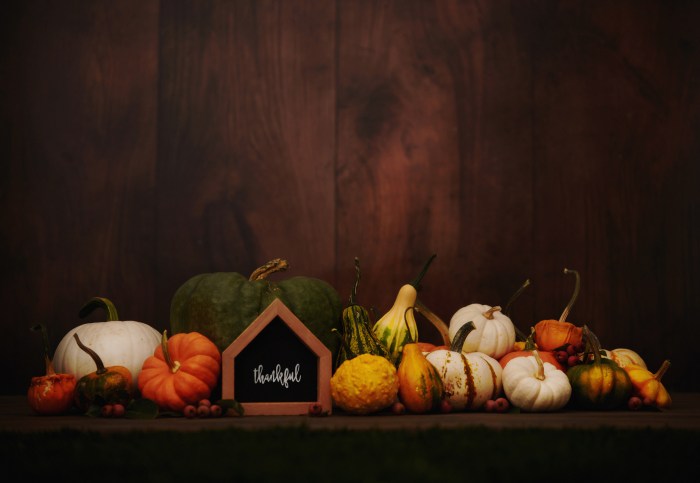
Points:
(553, 334)
(183, 370)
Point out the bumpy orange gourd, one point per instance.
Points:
(183, 370)
(420, 385)
(553, 334)
(648, 387)
(53, 393)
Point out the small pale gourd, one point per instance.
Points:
(535, 386)
(469, 379)
(624, 357)
(119, 343)
(494, 334)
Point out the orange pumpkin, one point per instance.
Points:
(529, 348)
(183, 370)
(554, 334)
(52, 393)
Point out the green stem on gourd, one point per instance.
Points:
(662, 370)
(435, 320)
(519, 335)
(98, 362)
(274, 265)
(353, 294)
(416, 282)
(408, 327)
(592, 343)
(530, 341)
(47, 349)
(99, 303)
(577, 287)
(540, 366)
(461, 336)
(173, 365)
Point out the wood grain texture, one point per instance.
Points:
(78, 195)
(146, 142)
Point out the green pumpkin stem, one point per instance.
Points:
(540, 366)
(461, 336)
(99, 303)
(519, 335)
(275, 265)
(530, 341)
(408, 327)
(577, 287)
(47, 348)
(353, 294)
(592, 343)
(173, 365)
(662, 370)
(416, 282)
(98, 362)
(435, 320)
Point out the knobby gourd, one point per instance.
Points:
(53, 392)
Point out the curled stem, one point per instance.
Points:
(577, 287)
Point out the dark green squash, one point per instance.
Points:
(599, 383)
(222, 305)
(358, 337)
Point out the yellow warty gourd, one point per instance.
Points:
(365, 384)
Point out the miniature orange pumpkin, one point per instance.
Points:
(183, 370)
(553, 334)
(52, 393)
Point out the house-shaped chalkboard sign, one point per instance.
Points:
(277, 366)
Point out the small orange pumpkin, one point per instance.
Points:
(528, 349)
(52, 393)
(183, 370)
(554, 334)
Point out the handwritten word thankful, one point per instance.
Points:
(276, 375)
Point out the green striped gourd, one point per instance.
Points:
(398, 326)
(357, 337)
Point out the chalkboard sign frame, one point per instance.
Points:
(277, 309)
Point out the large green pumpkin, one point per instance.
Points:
(222, 305)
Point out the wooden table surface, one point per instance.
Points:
(15, 415)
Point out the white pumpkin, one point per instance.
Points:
(494, 334)
(118, 343)
(624, 357)
(469, 379)
(534, 386)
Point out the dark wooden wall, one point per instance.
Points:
(144, 142)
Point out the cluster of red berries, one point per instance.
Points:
(399, 408)
(112, 411)
(203, 409)
(499, 405)
(569, 357)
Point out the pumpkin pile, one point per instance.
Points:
(485, 363)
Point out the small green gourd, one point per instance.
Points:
(357, 337)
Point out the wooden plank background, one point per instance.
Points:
(144, 142)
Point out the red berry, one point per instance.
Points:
(501, 405)
(118, 410)
(445, 406)
(204, 402)
(398, 408)
(570, 349)
(203, 411)
(315, 409)
(190, 411)
(580, 347)
(571, 361)
(106, 411)
(648, 401)
(634, 403)
(490, 406)
(216, 411)
(561, 356)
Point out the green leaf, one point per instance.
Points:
(141, 409)
(230, 404)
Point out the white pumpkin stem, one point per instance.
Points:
(95, 357)
(489, 313)
(662, 370)
(173, 365)
(577, 288)
(435, 320)
(275, 265)
(540, 366)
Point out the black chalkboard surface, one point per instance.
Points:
(276, 366)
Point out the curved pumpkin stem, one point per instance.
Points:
(435, 320)
(408, 327)
(540, 366)
(275, 265)
(489, 313)
(416, 282)
(530, 341)
(98, 362)
(662, 370)
(577, 287)
(47, 349)
(99, 303)
(173, 365)
(519, 335)
(353, 294)
(461, 336)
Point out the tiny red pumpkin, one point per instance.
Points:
(183, 370)
(52, 393)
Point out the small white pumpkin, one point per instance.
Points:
(119, 343)
(494, 334)
(534, 386)
(469, 379)
(624, 357)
